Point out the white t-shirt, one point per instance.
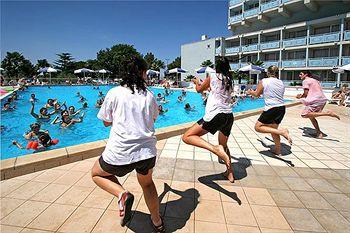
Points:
(273, 92)
(131, 138)
(218, 99)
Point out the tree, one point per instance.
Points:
(257, 63)
(42, 63)
(152, 62)
(115, 58)
(16, 66)
(175, 64)
(207, 63)
(149, 58)
(65, 63)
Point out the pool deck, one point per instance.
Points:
(306, 190)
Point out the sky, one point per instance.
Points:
(41, 29)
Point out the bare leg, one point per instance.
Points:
(151, 196)
(314, 122)
(223, 141)
(319, 114)
(263, 128)
(193, 137)
(277, 140)
(106, 181)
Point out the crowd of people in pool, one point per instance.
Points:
(53, 112)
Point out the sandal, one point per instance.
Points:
(160, 228)
(125, 202)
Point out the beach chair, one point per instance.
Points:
(334, 101)
(347, 101)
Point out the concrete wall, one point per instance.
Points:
(192, 56)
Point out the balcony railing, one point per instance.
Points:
(218, 50)
(284, 1)
(294, 42)
(232, 50)
(323, 61)
(345, 61)
(324, 38)
(269, 45)
(269, 5)
(235, 18)
(251, 12)
(248, 48)
(234, 66)
(347, 35)
(294, 63)
(270, 63)
(235, 2)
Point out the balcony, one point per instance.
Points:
(251, 12)
(294, 63)
(269, 45)
(323, 61)
(232, 50)
(270, 63)
(269, 5)
(347, 35)
(235, 2)
(235, 18)
(248, 48)
(345, 61)
(294, 42)
(324, 38)
(234, 66)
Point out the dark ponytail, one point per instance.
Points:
(223, 67)
(131, 73)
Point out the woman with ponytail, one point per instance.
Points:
(218, 114)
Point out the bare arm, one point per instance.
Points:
(203, 86)
(33, 113)
(304, 95)
(259, 90)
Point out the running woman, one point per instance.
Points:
(130, 109)
(272, 88)
(218, 115)
(314, 101)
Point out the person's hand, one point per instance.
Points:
(195, 80)
(249, 92)
(299, 96)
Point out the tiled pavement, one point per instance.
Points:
(307, 190)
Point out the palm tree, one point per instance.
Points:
(257, 63)
(207, 63)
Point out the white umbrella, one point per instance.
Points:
(152, 72)
(252, 69)
(341, 69)
(103, 72)
(83, 70)
(47, 70)
(177, 71)
(205, 69)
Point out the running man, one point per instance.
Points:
(314, 100)
(130, 109)
(272, 89)
(218, 115)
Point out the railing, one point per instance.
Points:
(347, 35)
(323, 61)
(269, 5)
(270, 63)
(284, 1)
(218, 50)
(235, 18)
(345, 61)
(251, 12)
(294, 42)
(245, 63)
(234, 66)
(294, 63)
(269, 45)
(235, 2)
(232, 50)
(248, 48)
(324, 38)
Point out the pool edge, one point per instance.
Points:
(30, 163)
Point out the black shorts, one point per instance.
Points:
(273, 115)
(141, 167)
(221, 122)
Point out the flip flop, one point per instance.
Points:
(125, 202)
(160, 228)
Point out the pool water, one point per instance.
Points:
(91, 129)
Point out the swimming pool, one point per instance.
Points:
(17, 122)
